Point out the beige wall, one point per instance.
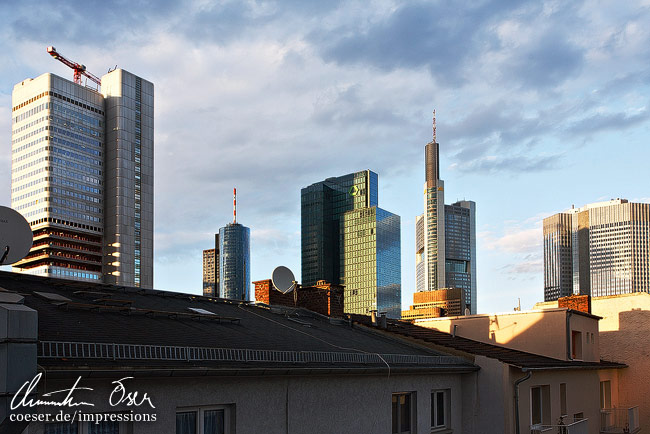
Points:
(539, 332)
(300, 404)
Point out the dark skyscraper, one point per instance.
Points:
(234, 262)
(348, 240)
(322, 207)
(460, 249)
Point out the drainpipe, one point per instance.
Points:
(568, 335)
(517, 382)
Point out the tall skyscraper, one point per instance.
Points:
(460, 249)
(348, 240)
(82, 175)
(234, 262)
(600, 249)
(445, 236)
(211, 270)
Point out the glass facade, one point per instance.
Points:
(323, 205)
(234, 262)
(372, 261)
(460, 250)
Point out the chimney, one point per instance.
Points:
(581, 303)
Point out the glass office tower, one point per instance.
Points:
(371, 239)
(347, 240)
(322, 207)
(234, 262)
(460, 249)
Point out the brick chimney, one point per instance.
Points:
(580, 303)
(324, 298)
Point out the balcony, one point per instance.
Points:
(619, 420)
(578, 427)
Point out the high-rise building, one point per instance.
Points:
(348, 240)
(460, 249)
(234, 262)
(82, 175)
(600, 249)
(445, 236)
(371, 255)
(322, 207)
(211, 270)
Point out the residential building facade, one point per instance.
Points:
(82, 175)
(211, 270)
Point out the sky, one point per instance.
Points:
(540, 105)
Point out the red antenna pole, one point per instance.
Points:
(234, 205)
(434, 126)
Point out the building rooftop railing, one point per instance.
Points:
(114, 351)
(578, 427)
(619, 420)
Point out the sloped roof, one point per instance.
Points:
(103, 327)
(520, 359)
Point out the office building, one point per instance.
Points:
(435, 304)
(234, 273)
(460, 249)
(82, 175)
(348, 240)
(322, 207)
(445, 236)
(600, 249)
(211, 270)
(371, 255)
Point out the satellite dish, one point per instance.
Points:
(283, 279)
(15, 236)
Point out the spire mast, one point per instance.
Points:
(234, 206)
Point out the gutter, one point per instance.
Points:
(568, 334)
(517, 382)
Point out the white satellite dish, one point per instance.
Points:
(15, 236)
(283, 279)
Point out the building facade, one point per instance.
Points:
(445, 236)
(435, 304)
(348, 240)
(211, 270)
(322, 207)
(371, 255)
(600, 249)
(234, 273)
(82, 175)
(460, 249)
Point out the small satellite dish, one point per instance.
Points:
(15, 236)
(283, 279)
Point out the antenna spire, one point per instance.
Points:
(234, 206)
(434, 126)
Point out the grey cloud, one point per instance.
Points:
(517, 164)
(610, 121)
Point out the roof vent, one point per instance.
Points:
(11, 298)
(50, 296)
(201, 311)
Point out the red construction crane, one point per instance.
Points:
(78, 68)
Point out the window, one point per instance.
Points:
(403, 420)
(204, 420)
(540, 405)
(576, 345)
(440, 408)
(103, 427)
(606, 394)
(563, 399)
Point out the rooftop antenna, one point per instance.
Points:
(434, 126)
(283, 279)
(234, 206)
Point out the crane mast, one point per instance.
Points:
(78, 68)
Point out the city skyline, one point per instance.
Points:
(524, 102)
